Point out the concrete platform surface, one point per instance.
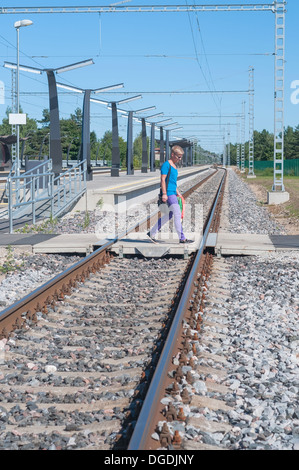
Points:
(29, 239)
(140, 244)
(124, 183)
(51, 243)
(85, 243)
(252, 244)
(126, 190)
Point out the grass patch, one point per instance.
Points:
(291, 183)
(47, 226)
(10, 264)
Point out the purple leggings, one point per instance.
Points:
(174, 211)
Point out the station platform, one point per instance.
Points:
(227, 244)
(123, 191)
(108, 192)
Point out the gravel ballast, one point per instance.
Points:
(258, 332)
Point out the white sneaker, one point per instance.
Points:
(153, 239)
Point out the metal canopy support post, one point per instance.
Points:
(161, 146)
(167, 144)
(115, 164)
(188, 155)
(251, 122)
(130, 164)
(152, 150)
(185, 158)
(144, 162)
(194, 153)
(279, 95)
(85, 147)
(55, 140)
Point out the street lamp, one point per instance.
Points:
(18, 25)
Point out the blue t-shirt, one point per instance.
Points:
(173, 176)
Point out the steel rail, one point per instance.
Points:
(48, 293)
(52, 290)
(150, 415)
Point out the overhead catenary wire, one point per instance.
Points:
(197, 58)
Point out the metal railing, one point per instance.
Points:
(10, 175)
(68, 187)
(39, 194)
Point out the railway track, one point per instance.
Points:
(82, 351)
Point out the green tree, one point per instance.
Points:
(77, 117)
(263, 145)
(291, 142)
(105, 149)
(45, 121)
(296, 142)
(137, 150)
(70, 131)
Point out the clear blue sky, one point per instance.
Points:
(152, 53)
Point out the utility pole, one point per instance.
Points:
(251, 124)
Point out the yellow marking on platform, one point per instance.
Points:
(129, 184)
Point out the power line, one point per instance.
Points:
(153, 92)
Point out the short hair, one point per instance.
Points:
(177, 148)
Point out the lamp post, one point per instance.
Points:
(18, 25)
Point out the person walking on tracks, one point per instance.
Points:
(170, 194)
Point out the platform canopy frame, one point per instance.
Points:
(278, 7)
